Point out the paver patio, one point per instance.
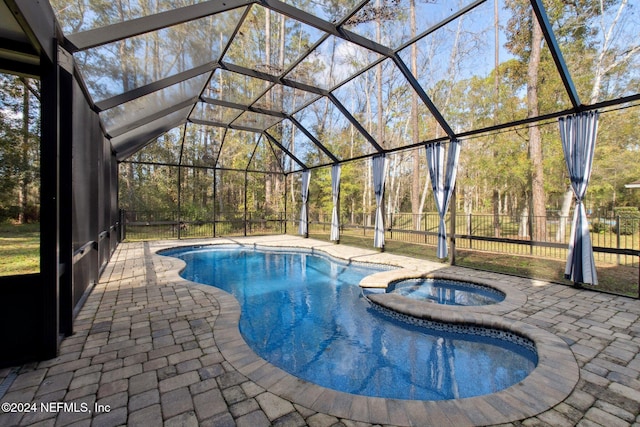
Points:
(156, 350)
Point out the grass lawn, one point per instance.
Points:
(19, 249)
(622, 280)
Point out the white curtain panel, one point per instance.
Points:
(304, 190)
(335, 193)
(379, 164)
(443, 183)
(578, 135)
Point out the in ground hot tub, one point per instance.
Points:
(447, 292)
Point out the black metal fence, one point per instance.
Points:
(154, 225)
(615, 238)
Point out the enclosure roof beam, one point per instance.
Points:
(275, 155)
(313, 139)
(39, 25)
(217, 63)
(13, 66)
(355, 123)
(224, 136)
(18, 51)
(220, 168)
(255, 148)
(555, 115)
(423, 96)
(287, 152)
(284, 82)
(148, 119)
(184, 136)
(134, 27)
(440, 24)
(130, 147)
(556, 53)
(138, 92)
(243, 107)
(339, 105)
(225, 125)
(326, 26)
(362, 42)
(268, 77)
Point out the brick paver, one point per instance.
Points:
(146, 351)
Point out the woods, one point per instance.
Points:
(480, 70)
(19, 150)
(478, 76)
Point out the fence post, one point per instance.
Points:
(123, 226)
(424, 227)
(618, 237)
(531, 224)
(470, 230)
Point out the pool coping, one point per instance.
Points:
(553, 379)
(514, 298)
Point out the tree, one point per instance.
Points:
(525, 41)
(19, 149)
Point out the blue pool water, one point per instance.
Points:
(447, 292)
(306, 314)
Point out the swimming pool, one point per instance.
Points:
(447, 292)
(305, 314)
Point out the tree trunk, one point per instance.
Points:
(24, 182)
(564, 215)
(496, 212)
(538, 198)
(524, 220)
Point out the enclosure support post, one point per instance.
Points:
(179, 199)
(215, 201)
(285, 204)
(337, 242)
(245, 203)
(452, 232)
(306, 233)
(65, 197)
(50, 211)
